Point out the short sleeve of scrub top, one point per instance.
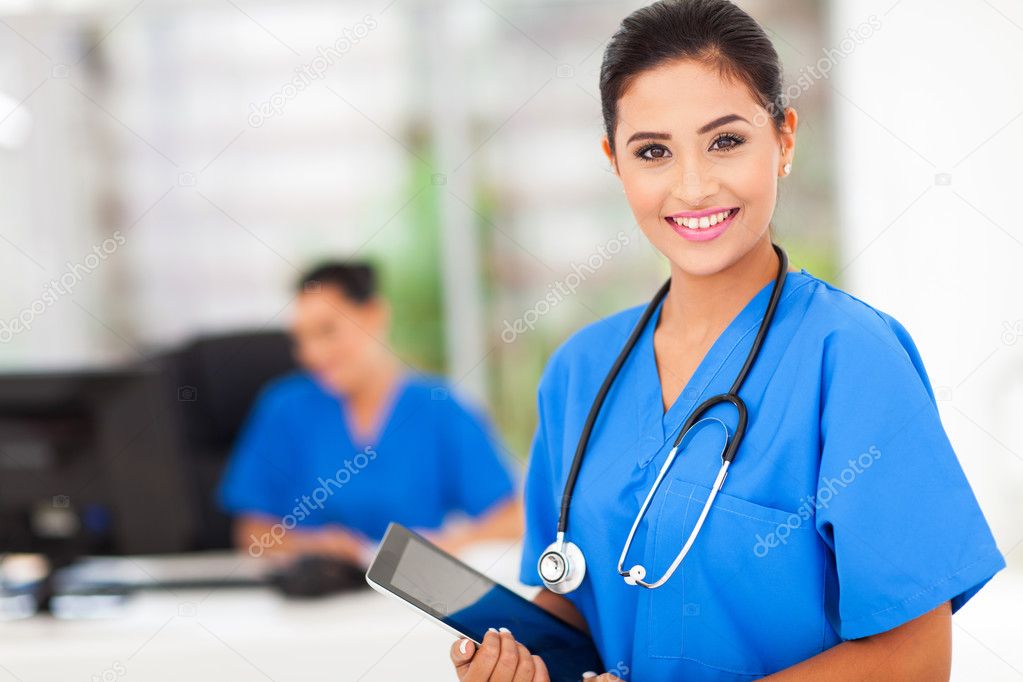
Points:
(845, 514)
(542, 487)
(893, 504)
(257, 476)
(481, 474)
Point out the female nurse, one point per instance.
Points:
(333, 453)
(845, 534)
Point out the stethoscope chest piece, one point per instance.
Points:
(562, 566)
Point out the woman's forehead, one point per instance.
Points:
(682, 96)
(325, 301)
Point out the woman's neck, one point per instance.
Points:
(367, 400)
(698, 307)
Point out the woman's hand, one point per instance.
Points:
(498, 659)
(263, 535)
(501, 659)
(344, 543)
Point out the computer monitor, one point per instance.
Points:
(90, 463)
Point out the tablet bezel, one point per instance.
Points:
(381, 571)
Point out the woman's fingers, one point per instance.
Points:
(499, 658)
(540, 673)
(526, 666)
(339, 541)
(462, 651)
(484, 661)
(507, 659)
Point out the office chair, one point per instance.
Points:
(215, 380)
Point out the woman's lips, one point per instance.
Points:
(701, 234)
(705, 212)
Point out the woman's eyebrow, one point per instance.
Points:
(728, 118)
(648, 136)
(720, 122)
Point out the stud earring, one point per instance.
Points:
(786, 169)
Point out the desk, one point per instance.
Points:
(255, 634)
(243, 634)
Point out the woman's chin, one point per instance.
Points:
(698, 262)
(331, 382)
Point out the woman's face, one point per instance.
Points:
(339, 341)
(688, 140)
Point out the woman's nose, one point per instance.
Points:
(693, 185)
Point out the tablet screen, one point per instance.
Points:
(467, 601)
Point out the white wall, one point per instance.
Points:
(49, 212)
(930, 115)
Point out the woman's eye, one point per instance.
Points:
(722, 143)
(731, 142)
(652, 152)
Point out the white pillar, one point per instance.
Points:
(464, 327)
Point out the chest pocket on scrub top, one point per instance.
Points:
(748, 598)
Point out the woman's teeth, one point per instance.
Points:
(704, 222)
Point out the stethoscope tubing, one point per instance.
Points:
(728, 454)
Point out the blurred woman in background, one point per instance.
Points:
(332, 453)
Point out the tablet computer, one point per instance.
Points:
(466, 603)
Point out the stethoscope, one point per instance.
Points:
(562, 566)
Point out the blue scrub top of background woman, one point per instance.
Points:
(297, 459)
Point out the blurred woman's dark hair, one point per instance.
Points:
(356, 280)
(714, 32)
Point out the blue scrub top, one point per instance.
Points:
(845, 513)
(296, 460)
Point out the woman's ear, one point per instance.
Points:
(382, 315)
(788, 135)
(606, 146)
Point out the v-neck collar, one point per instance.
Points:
(385, 417)
(655, 425)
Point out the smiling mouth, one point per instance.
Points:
(703, 222)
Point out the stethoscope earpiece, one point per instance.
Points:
(636, 573)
